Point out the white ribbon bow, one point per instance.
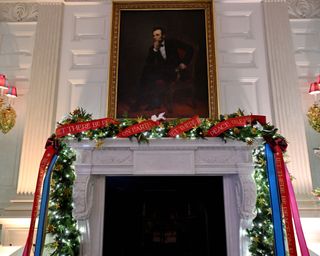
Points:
(159, 117)
(258, 126)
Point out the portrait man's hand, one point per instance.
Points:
(156, 45)
(182, 66)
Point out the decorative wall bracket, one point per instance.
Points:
(19, 12)
(304, 9)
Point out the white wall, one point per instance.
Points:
(84, 58)
(16, 50)
(242, 58)
(306, 38)
(84, 67)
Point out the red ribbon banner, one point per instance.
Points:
(83, 126)
(296, 217)
(285, 199)
(185, 126)
(235, 122)
(138, 128)
(45, 161)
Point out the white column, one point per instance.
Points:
(41, 102)
(287, 109)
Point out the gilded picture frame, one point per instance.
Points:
(182, 81)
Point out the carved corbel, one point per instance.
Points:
(246, 192)
(83, 196)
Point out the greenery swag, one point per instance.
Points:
(63, 227)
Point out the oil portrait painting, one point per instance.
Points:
(163, 60)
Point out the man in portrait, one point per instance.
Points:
(166, 66)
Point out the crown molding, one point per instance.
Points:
(28, 11)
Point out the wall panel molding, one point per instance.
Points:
(83, 91)
(88, 59)
(307, 71)
(235, 24)
(242, 92)
(243, 78)
(238, 58)
(85, 58)
(15, 67)
(88, 26)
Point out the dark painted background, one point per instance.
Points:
(135, 40)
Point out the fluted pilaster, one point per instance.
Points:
(287, 109)
(41, 102)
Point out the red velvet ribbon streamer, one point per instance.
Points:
(235, 122)
(296, 217)
(278, 146)
(138, 128)
(51, 150)
(185, 126)
(285, 199)
(83, 126)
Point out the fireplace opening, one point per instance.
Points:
(164, 216)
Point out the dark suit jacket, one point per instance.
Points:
(158, 68)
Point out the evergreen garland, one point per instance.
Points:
(61, 224)
(261, 233)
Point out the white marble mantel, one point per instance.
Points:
(212, 157)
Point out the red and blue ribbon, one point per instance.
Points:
(275, 204)
(51, 151)
(44, 209)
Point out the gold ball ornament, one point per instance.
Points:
(236, 130)
(7, 119)
(249, 141)
(314, 117)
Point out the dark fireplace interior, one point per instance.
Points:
(164, 216)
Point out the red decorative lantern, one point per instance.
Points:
(3, 82)
(12, 92)
(314, 87)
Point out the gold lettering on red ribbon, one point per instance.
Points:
(185, 126)
(234, 122)
(138, 128)
(284, 194)
(83, 126)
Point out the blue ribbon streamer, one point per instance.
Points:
(275, 203)
(44, 208)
